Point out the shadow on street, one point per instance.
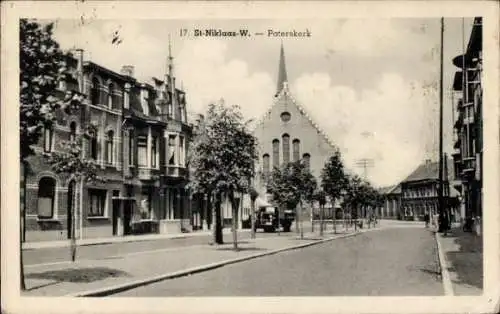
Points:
(465, 262)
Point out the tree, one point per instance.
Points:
(354, 196)
(253, 196)
(42, 66)
(320, 197)
(291, 185)
(70, 161)
(334, 180)
(224, 156)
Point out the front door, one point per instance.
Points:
(69, 212)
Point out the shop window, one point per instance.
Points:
(46, 197)
(97, 203)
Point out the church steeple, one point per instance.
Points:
(282, 77)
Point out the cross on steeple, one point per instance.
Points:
(282, 76)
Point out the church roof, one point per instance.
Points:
(285, 92)
(282, 76)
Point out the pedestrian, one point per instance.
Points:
(426, 218)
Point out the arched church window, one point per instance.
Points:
(286, 148)
(307, 160)
(296, 149)
(265, 164)
(276, 153)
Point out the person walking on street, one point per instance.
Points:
(426, 218)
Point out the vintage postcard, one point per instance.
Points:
(226, 157)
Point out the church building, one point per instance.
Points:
(287, 133)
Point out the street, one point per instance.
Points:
(103, 251)
(391, 262)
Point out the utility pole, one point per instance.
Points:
(442, 225)
(365, 163)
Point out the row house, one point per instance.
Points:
(138, 135)
(468, 127)
(419, 192)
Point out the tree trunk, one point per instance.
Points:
(297, 219)
(334, 218)
(217, 220)
(321, 213)
(252, 218)
(312, 217)
(301, 225)
(278, 220)
(234, 208)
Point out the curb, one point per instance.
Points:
(443, 268)
(121, 240)
(185, 272)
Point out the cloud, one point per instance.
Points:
(384, 123)
(209, 76)
(387, 121)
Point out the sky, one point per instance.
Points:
(370, 84)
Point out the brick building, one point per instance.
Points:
(138, 137)
(468, 128)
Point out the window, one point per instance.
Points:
(276, 153)
(285, 116)
(265, 162)
(307, 161)
(94, 92)
(171, 150)
(109, 148)
(93, 145)
(72, 132)
(110, 95)
(48, 136)
(181, 150)
(286, 148)
(97, 203)
(170, 105)
(46, 197)
(296, 150)
(142, 150)
(154, 152)
(131, 148)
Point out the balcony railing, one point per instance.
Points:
(469, 165)
(147, 173)
(176, 171)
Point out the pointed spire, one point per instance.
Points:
(282, 77)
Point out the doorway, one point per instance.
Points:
(69, 207)
(116, 211)
(127, 216)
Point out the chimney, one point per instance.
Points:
(79, 68)
(127, 70)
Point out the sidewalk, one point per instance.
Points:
(65, 278)
(120, 239)
(463, 259)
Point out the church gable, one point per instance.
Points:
(287, 132)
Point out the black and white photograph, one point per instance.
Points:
(157, 153)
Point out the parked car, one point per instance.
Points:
(267, 219)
